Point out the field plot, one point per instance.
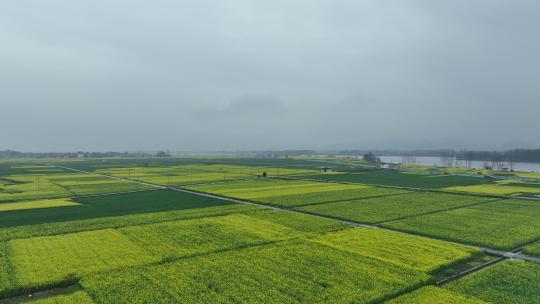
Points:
(290, 193)
(29, 186)
(498, 189)
(61, 227)
(192, 237)
(289, 272)
(59, 184)
(79, 297)
(533, 250)
(402, 179)
(503, 224)
(109, 205)
(197, 173)
(37, 204)
(298, 221)
(7, 281)
(326, 196)
(381, 209)
(397, 248)
(45, 261)
(22, 167)
(434, 295)
(508, 282)
(261, 188)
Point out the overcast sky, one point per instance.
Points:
(280, 74)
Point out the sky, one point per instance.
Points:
(133, 75)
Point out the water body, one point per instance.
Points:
(437, 161)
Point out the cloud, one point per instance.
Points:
(198, 75)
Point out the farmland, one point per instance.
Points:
(533, 249)
(508, 282)
(290, 193)
(402, 179)
(433, 295)
(100, 236)
(503, 224)
(387, 208)
(298, 272)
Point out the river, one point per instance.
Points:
(437, 161)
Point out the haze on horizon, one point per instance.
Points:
(248, 75)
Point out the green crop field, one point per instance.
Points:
(497, 189)
(197, 173)
(63, 226)
(261, 189)
(503, 224)
(381, 209)
(76, 237)
(298, 221)
(504, 283)
(533, 249)
(79, 297)
(109, 205)
(290, 193)
(198, 236)
(398, 248)
(292, 272)
(37, 204)
(434, 295)
(401, 179)
(45, 261)
(59, 184)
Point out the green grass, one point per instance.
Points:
(381, 209)
(401, 179)
(198, 236)
(508, 282)
(45, 261)
(434, 295)
(502, 225)
(397, 248)
(290, 272)
(110, 205)
(62, 227)
(533, 249)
